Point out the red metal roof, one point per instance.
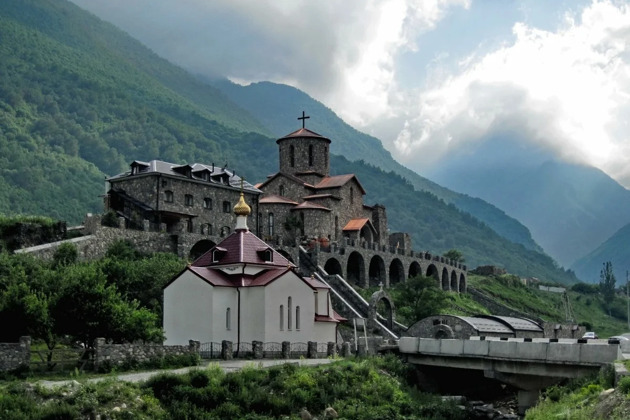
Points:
(338, 181)
(276, 199)
(242, 246)
(316, 196)
(356, 224)
(309, 206)
(315, 284)
(302, 132)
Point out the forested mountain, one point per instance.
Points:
(569, 208)
(79, 100)
(615, 249)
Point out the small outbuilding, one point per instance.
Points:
(454, 326)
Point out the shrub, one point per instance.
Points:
(110, 219)
(65, 254)
(624, 384)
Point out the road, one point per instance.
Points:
(226, 365)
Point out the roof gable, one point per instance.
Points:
(338, 181)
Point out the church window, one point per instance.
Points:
(168, 196)
(281, 317)
(310, 155)
(336, 228)
(297, 317)
(270, 224)
(188, 200)
(226, 207)
(302, 224)
(351, 195)
(292, 156)
(206, 229)
(260, 224)
(207, 203)
(189, 226)
(289, 310)
(228, 319)
(281, 190)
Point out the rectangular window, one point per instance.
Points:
(207, 203)
(168, 196)
(226, 207)
(188, 200)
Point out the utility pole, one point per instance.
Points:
(628, 299)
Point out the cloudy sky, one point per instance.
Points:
(424, 76)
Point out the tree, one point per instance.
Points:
(455, 255)
(418, 298)
(607, 284)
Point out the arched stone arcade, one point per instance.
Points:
(333, 266)
(376, 271)
(415, 269)
(355, 272)
(396, 272)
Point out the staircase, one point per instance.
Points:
(350, 304)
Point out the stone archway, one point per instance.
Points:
(415, 269)
(333, 267)
(443, 331)
(445, 283)
(356, 269)
(432, 271)
(396, 272)
(376, 271)
(454, 287)
(381, 297)
(462, 283)
(200, 248)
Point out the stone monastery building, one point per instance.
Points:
(242, 290)
(301, 202)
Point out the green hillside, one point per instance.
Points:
(75, 106)
(275, 106)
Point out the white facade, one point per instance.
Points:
(245, 291)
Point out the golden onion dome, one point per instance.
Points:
(241, 208)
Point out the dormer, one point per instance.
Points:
(185, 170)
(203, 174)
(218, 253)
(138, 167)
(265, 254)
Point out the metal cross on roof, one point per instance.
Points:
(304, 117)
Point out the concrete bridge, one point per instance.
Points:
(530, 365)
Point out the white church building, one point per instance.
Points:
(242, 290)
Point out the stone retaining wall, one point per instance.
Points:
(117, 354)
(14, 355)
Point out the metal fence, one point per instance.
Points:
(299, 350)
(210, 350)
(272, 350)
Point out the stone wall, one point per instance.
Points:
(117, 354)
(559, 330)
(14, 355)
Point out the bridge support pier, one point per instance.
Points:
(529, 386)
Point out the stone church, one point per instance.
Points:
(304, 201)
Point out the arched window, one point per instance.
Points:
(281, 190)
(292, 156)
(297, 317)
(281, 317)
(228, 319)
(270, 224)
(260, 224)
(302, 223)
(310, 155)
(207, 203)
(168, 196)
(336, 228)
(351, 195)
(289, 310)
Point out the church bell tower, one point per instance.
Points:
(304, 152)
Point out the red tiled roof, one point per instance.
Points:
(356, 224)
(309, 206)
(314, 283)
(302, 132)
(276, 199)
(287, 176)
(338, 181)
(334, 318)
(218, 278)
(316, 196)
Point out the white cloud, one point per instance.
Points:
(568, 90)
